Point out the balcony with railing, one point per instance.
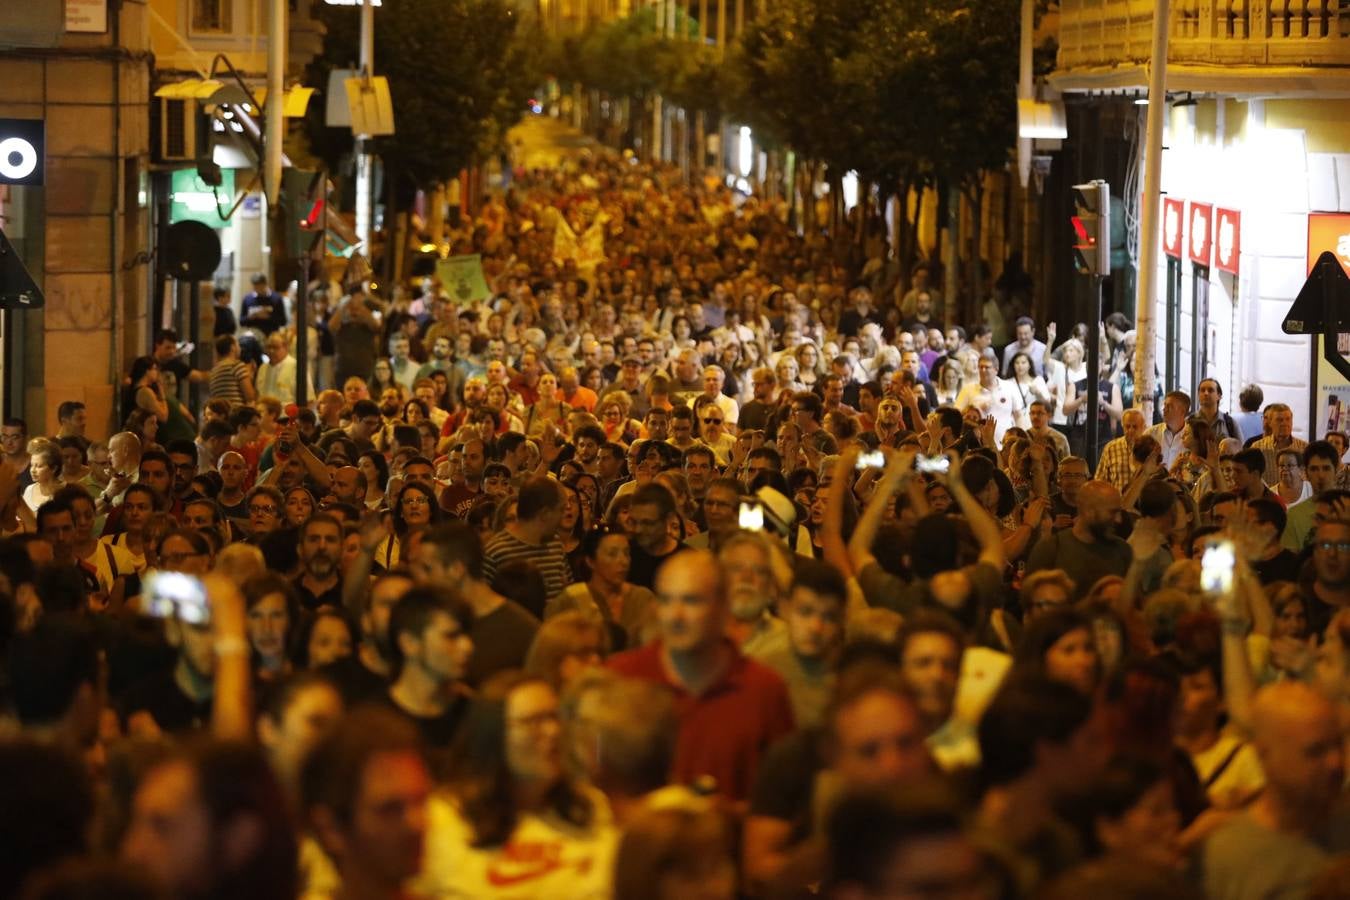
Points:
(1097, 34)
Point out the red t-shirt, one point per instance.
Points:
(457, 499)
(528, 395)
(725, 731)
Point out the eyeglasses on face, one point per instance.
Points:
(260, 510)
(1342, 547)
(712, 421)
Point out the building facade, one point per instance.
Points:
(1255, 175)
(91, 71)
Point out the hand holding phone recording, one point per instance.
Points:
(932, 465)
(873, 460)
(176, 595)
(1216, 568)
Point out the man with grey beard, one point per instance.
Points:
(752, 591)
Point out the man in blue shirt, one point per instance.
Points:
(263, 309)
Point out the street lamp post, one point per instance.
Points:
(364, 162)
(1145, 324)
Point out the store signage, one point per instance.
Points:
(22, 159)
(1202, 233)
(1228, 239)
(86, 16)
(1174, 227)
(192, 198)
(1331, 394)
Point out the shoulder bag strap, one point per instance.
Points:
(112, 560)
(1223, 766)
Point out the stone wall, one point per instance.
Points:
(93, 92)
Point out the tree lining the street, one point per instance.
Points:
(460, 73)
(909, 94)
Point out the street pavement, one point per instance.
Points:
(546, 142)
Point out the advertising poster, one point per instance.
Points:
(1331, 399)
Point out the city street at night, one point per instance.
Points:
(638, 449)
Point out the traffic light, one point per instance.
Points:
(1092, 228)
(303, 197)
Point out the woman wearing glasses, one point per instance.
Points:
(509, 798)
(414, 511)
(265, 508)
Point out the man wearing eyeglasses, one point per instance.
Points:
(1320, 467)
(713, 379)
(712, 422)
(264, 511)
(1329, 591)
(1073, 474)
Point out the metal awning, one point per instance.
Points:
(297, 100)
(205, 90)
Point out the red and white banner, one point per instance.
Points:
(1173, 227)
(1228, 239)
(1202, 233)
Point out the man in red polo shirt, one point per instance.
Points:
(731, 708)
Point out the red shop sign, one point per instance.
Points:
(1173, 226)
(1228, 239)
(1202, 233)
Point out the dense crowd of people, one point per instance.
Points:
(698, 569)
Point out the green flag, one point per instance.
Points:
(462, 278)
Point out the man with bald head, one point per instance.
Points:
(574, 393)
(1285, 839)
(1090, 549)
(731, 708)
(124, 461)
(349, 486)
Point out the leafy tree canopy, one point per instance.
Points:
(460, 73)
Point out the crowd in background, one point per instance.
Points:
(696, 568)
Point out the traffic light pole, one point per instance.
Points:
(1092, 256)
(1092, 446)
(302, 348)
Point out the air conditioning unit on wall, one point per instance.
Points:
(179, 129)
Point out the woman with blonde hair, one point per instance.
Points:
(548, 410)
(948, 384)
(1074, 397)
(810, 365)
(565, 646)
(786, 372)
(240, 563)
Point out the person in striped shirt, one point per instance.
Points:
(533, 537)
